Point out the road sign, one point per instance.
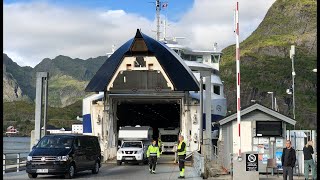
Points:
(252, 162)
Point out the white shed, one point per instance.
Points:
(263, 130)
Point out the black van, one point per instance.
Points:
(64, 154)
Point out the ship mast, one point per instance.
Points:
(158, 8)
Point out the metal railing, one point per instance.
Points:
(16, 161)
(215, 153)
(198, 163)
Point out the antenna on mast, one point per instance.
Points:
(158, 9)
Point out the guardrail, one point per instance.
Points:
(198, 163)
(20, 161)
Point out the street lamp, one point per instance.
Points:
(272, 98)
(292, 54)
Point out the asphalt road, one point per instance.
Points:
(164, 170)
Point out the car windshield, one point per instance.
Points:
(169, 138)
(132, 144)
(56, 142)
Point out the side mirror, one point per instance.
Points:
(33, 147)
(119, 147)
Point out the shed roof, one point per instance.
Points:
(178, 72)
(262, 108)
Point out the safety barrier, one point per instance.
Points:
(20, 161)
(198, 163)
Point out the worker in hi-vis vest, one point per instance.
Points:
(160, 145)
(182, 155)
(153, 154)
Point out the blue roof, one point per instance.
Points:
(176, 69)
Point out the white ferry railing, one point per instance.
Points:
(215, 153)
(18, 159)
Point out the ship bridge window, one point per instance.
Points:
(215, 58)
(185, 56)
(216, 89)
(199, 59)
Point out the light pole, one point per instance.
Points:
(292, 54)
(271, 99)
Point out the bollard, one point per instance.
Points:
(4, 163)
(18, 162)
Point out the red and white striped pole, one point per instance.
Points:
(238, 76)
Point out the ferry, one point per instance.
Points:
(124, 99)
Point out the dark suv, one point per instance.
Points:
(64, 155)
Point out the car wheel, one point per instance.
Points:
(119, 163)
(70, 173)
(95, 170)
(31, 176)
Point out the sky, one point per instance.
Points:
(38, 29)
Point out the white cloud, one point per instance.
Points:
(212, 21)
(37, 30)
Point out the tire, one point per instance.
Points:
(31, 176)
(119, 163)
(95, 170)
(71, 172)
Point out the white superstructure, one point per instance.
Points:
(209, 60)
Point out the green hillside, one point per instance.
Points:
(20, 114)
(266, 65)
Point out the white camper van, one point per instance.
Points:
(134, 144)
(169, 137)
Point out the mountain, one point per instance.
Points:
(266, 65)
(67, 79)
(11, 89)
(16, 78)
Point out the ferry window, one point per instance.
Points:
(199, 59)
(216, 89)
(185, 56)
(193, 58)
(215, 58)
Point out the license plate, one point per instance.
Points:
(42, 170)
(129, 158)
